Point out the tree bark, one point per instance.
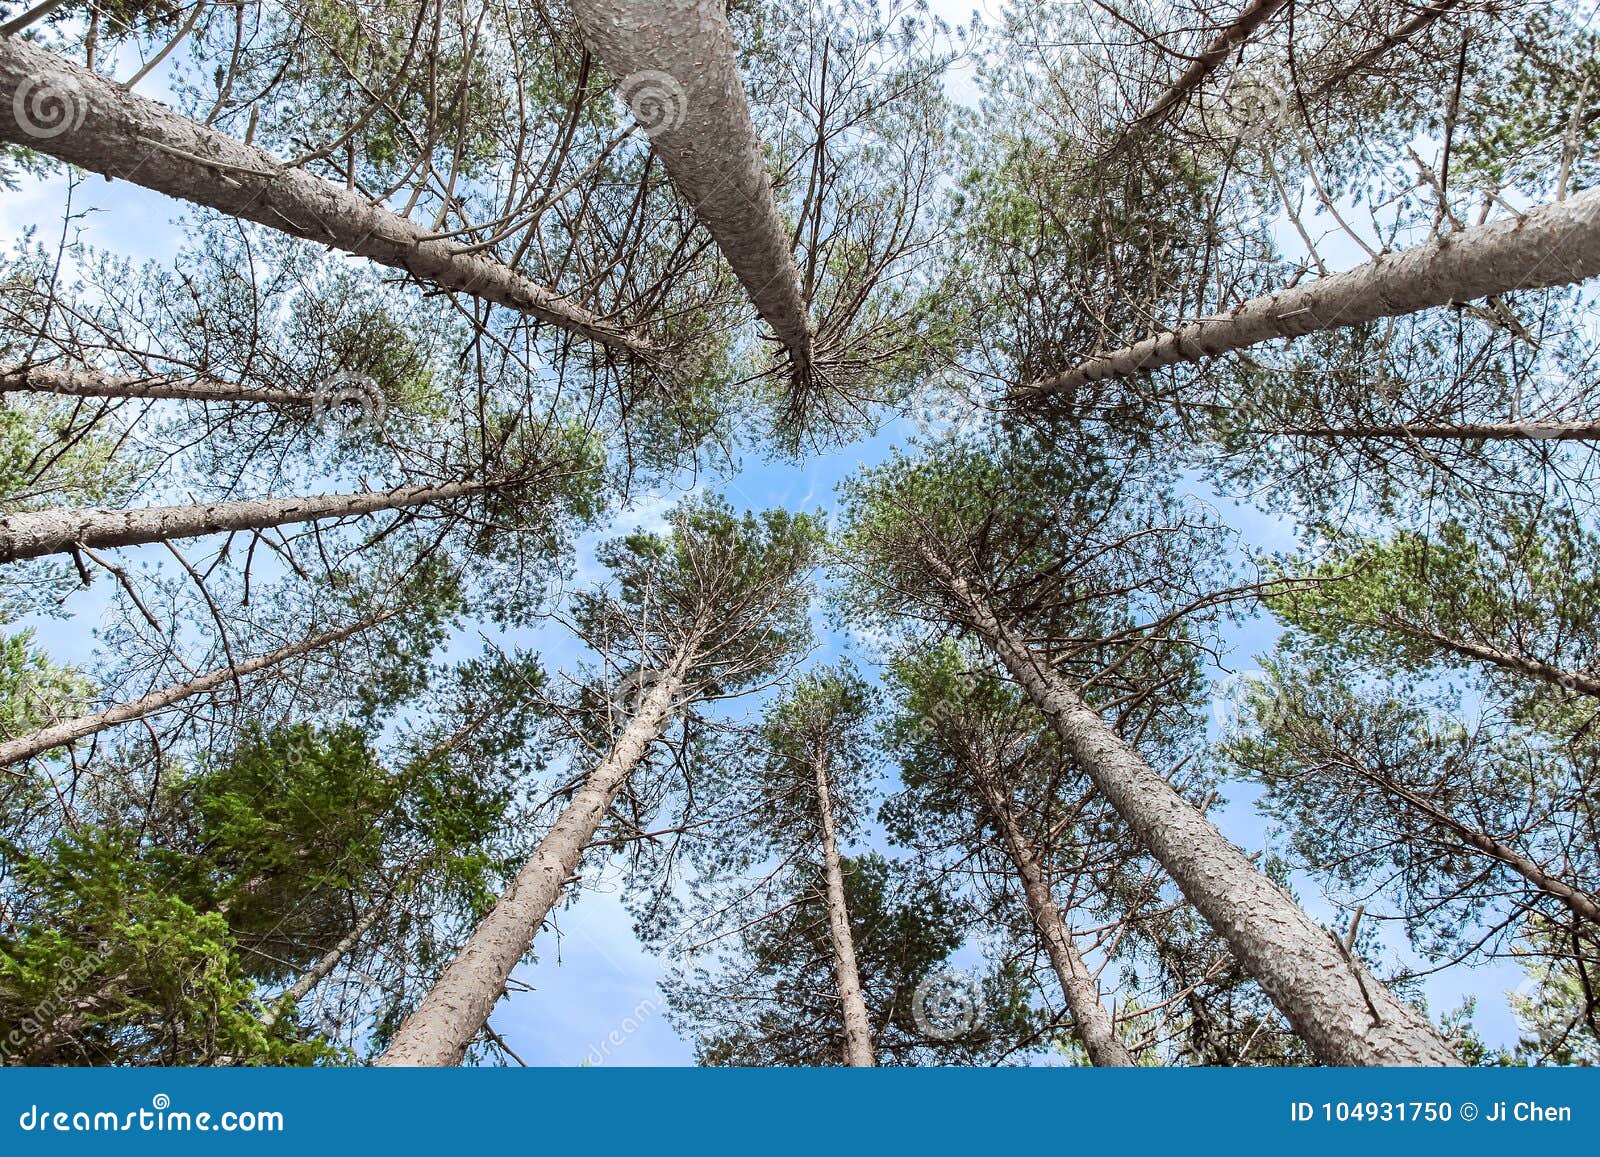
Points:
(1555, 244)
(1400, 35)
(59, 108)
(35, 533)
(444, 1025)
(1255, 14)
(325, 964)
(1337, 1007)
(87, 383)
(674, 61)
(60, 734)
(1090, 1020)
(1458, 431)
(1579, 903)
(1506, 660)
(857, 1029)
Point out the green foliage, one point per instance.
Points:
(103, 966)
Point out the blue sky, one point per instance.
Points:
(593, 980)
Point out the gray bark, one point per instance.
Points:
(857, 1029)
(40, 532)
(1337, 1007)
(674, 60)
(1579, 903)
(72, 730)
(450, 1017)
(1459, 431)
(1583, 684)
(1555, 244)
(1255, 14)
(1090, 1020)
(59, 108)
(1365, 60)
(325, 964)
(87, 383)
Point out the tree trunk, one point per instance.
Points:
(86, 383)
(325, 964)
(1337, 1007)
(1579, 903)
(674, 62)
(1484, 653)
(1090, 1021)
(66, 111)
(1555, 244)
(60, 734)
(1458, 431)
(444, 1025)
(1255, 14)
(857, 1029)
(1400, 35)
(40, 532)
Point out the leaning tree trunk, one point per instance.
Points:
(674, 62)
(450, 1017)
(66, 111)
(1555, 244)
(1580, 903)
(40, 532)
(1255, 14)
(857, 1029)
(1365, 60)
(1582, 683)
(87, 383)
(1345, 1015)
(72, 730)
(325, 963)
(1456, 431)
(1090, 1020)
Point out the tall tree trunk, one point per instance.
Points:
(1457, 431)
(87, 383)
(72, 730)
(857, 1029)
(40, 532)
(1337, 1007)
(674, 61)
(1555, 244)
(1090, 1020)
(66, 111)
(444, 1025)
(1255, 14)
(326, 963)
